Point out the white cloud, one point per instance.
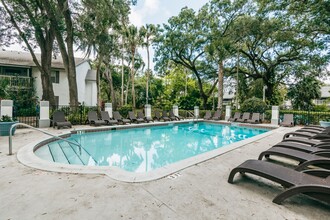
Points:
(151, 6)
(139, 14)
(136, 18)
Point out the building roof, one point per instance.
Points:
(325, 91)
(17, 58)
(91, 75)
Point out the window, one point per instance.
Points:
(15, 71)
(55, 76)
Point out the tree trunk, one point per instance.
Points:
(126, 93)
(108, 76)
(65, 49)
(220, 85)
(122, 75)
(45, 38)
(98, 73)
(269, 92)
(132, 78)
(47, 85)
(203, 95)
(147, 75)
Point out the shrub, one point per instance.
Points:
(6, 118)
(124, 110)
(253, 105)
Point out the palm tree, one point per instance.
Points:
(147, 33)
(133, 40)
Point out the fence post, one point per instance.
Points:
(44, 121)
(6, 108)
(228, 112)
(196, 112)
(108, 108)
(275, 115)
(176, 110)
(147, 111)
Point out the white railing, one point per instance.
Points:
(36, 129)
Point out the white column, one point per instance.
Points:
(6, 108)
(44, 121)
(108, 108)
(228, 112)
(196, 112)
(275, 115)
(176, 110)
(147, 111)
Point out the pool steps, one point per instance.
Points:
(64, 152)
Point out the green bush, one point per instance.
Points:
(124, 110)
(321, 108)
(253, 105)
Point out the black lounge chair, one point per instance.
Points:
(237, 116)
(93, 119)
(146, 119)
(315, 127)
(157, 116)
(303, 147)
(172, 116)
(246, 116)
(208, 115)
(312, 129)
(105, 117)
(312, 182)
(132, 117)
(60, 121)
(255, 118)
(306, 141)
(305, 134)
(318, 158)
(165, 117)
(287, 120)
(217, 115)
(117, 116)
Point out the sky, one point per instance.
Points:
(150, 12)
(158, 12)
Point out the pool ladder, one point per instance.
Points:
(36, 129)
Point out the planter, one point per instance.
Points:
(325, 123)
(5, 128)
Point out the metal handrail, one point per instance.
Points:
(36, 129)
(191, 114)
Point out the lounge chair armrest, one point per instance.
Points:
(298, 134)
(320, 136)
(322, 145)
(308, 130)
(315, 162)
(308, 188)
(318, 172)
(323, 153)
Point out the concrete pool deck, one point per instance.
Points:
(197, 192)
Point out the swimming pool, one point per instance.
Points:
(144, 149)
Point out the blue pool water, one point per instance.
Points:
(144, 149)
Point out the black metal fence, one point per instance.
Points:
(306, 117)
(28, 114)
